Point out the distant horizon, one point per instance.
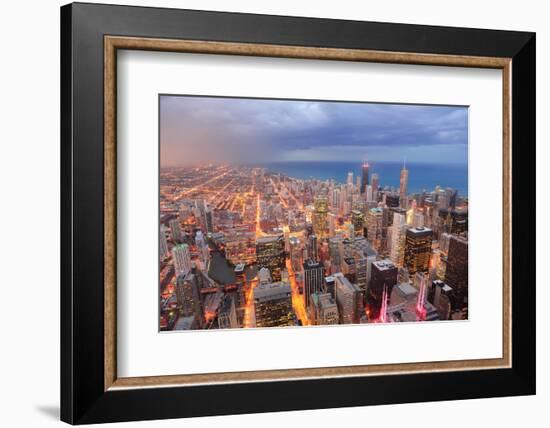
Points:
(373, 163)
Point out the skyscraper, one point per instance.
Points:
(456, 272)
(403, 182)
(227, 314)
(314, 275)
(358, 221)
(383, 277)
(273, 305)
(175, 229)
(397, 243)
(163, 245)
(270, 253)
(349, 299)
(312, 250)
(182, 259)
(418, 248)
(296, 254)
(189, 297)
(320, 216)
(375, 183)
(364, 177)
(350, 179)
(374, 227)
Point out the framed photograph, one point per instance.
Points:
(291, 213)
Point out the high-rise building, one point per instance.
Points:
(320, 212)
(163, 244)
(314, 275)
(383, 277)
(270, 253)
(335, 199)
(189, 297)
(209, 220)
(364, 177)
(392, 200)
(312, 248)
(403, 182)
(296, 253)
(350, 179)
(323, 309)
(397, 242)
(418, 248)
(358, 221)
(335, 248)
(375, 183)
(349, 299)
(328, 286)
(175, 229)
(273, 305)
(456, 272)
(181, 258)
(227, 314)
(361, 269)
(443, 298)
(374, 227)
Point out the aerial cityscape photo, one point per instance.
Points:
(277, 213)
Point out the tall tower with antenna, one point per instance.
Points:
(364, 177)
(403, 182)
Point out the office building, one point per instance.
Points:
(181, 259)
(270, 253)
(312, 248)
(358, 221)
(383, 277)
(296, 253)
(364, 177)
(163, 244)
(403, 183)
(273, 305)
(227, 314)
(175, 230)
(374, 227)
(397, 241)
(418, 248)
(189, 296)
(320, 224)
(314, 275)
(349, 300)
(456, 272)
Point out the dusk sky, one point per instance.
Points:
(196, 130)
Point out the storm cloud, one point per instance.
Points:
(197, 130)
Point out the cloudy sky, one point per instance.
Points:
(196, 130)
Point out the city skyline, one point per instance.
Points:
(259, 130)
(243, 245)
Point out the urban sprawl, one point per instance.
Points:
(245, 247)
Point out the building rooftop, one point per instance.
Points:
(419, 230)
(272, 290)
(309, 263)
(268, 239)
(443, 285)
(386, 264)
(407, 289)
